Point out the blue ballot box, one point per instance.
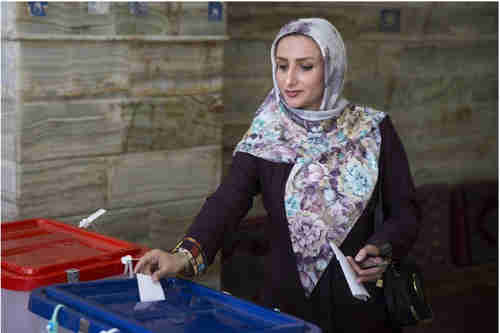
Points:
(114, 305)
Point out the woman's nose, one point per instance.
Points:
(291, 77)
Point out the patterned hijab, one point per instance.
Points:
(334, 151)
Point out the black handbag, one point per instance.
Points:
(403, 285)
(405, 295)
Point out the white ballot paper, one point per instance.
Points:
(148, 290)
(357, 289)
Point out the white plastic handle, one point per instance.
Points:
(87, 221)
(127, 261)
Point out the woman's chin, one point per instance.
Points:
(294, 104)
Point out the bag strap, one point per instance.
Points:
(379, 207)
(385, 249)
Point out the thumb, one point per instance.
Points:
(158, 274)
(361, 255)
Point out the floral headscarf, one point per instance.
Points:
(334, 150)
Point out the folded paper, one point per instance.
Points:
(149, 290)
(357, 289)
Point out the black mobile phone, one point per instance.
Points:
(371, 262)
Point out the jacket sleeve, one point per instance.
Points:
(401, 212)
(222, 212)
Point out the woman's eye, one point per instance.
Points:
(307, 68)
(282, 67)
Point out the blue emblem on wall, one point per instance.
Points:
(38, 8)
(138, 8)
(215, 11)
(390, 20)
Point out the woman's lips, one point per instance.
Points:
(292, 94)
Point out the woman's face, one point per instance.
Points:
(300, 72)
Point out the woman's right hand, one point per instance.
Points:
(159, 264)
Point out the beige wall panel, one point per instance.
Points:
(98, 69)
(76, 129)
(257, 208)
(11, 55)
(360, 59)
(172, 123)
(454, 135)
(431, 61)
(89, 128)
(475, 148)
(10, 181)
(72, 69)
(443, 91)
(8, 18)
(9, 145)
(62, 187)
(466, 165)
(10, 110)
(10, 125)
(388, 58)
(414, 16)
(175, 69)
(483, 87)
(449, 120)
(10, 129)
(368, 90)
(245, 95)
(165, 233)
(145, 178)
(45, 72)
(10, 119)
(463, 19)
(9, 211)
(247, 58)
(233, 133)
(428, 92)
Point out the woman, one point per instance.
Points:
(317, 160)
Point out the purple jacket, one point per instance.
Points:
(249, 176)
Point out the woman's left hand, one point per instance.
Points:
(368, 254)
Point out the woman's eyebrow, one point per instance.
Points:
(298, 59)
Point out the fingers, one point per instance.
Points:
(369, 274)
(159, 274)
(366, 251)
(147, 261)
(369, 256)
(361, 255)
(158, 264)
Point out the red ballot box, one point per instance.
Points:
(41, 252)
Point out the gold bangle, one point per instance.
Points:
(185, 256)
